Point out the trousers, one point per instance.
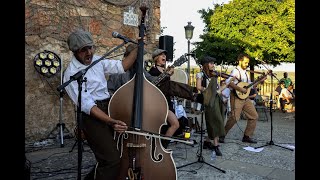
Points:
(99, 136)
(245, 106)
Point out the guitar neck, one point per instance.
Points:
(161, 77)
(247, 86)
(178, 62)
(257, 81)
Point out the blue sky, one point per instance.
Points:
(175, 14)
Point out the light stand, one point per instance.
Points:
(48, 63)
(79, 77)
(270, 107)
(200, 157)
(60, 126)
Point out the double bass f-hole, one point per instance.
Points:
(141, 105)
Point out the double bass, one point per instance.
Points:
(142, 106)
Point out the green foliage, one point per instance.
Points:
(263, 29)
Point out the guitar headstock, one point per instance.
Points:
(180, 61)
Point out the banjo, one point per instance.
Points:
(248, 86)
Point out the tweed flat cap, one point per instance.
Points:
(157, 52)
(79, 39)
(207, 59)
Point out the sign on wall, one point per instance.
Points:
(129, 18)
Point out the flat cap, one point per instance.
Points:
(157, 52)
(79, 39)
(207, 59)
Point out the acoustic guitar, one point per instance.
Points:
(165, 74)
(248, 86)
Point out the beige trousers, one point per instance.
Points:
(245, 106)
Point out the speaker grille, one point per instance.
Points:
(166, 43)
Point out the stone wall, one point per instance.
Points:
(47, 26)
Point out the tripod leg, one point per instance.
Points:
(283, 147)
(74, 145)
(215, 167)
(262, 146)
(186, 164)
(200, 157)
(272, 143)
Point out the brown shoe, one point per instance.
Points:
(248, 140)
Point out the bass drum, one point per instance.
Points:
(181, 76)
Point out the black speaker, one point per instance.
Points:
(166, 43)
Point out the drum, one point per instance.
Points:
(179, 76)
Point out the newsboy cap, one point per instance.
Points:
(79, 39)
(207, 59)
(157, 52)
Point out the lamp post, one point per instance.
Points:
(189, 33)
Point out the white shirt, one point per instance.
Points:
(96, 85)
(225, 94)
(285, 91)
(179, 110)
(238, 73)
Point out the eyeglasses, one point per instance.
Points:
(86, 48)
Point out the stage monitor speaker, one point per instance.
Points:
(166, 43)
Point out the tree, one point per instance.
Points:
(263, 29)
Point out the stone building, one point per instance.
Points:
(47, 26)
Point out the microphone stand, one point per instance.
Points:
(79, 77)
(270, 109)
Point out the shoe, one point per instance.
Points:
(221, 139)
(248, 140)
(217, 150)
(208, 145)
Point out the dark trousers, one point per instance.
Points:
(99, 136)
(283, 102)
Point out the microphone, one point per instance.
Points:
(260, 60)
(117, 35)
(265, 66)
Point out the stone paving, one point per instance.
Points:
(48, 160)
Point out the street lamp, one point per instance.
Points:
(189, 33)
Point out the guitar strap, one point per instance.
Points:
(240, 79)
(240, 75)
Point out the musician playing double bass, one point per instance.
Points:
(239, 105)
(98, 126)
